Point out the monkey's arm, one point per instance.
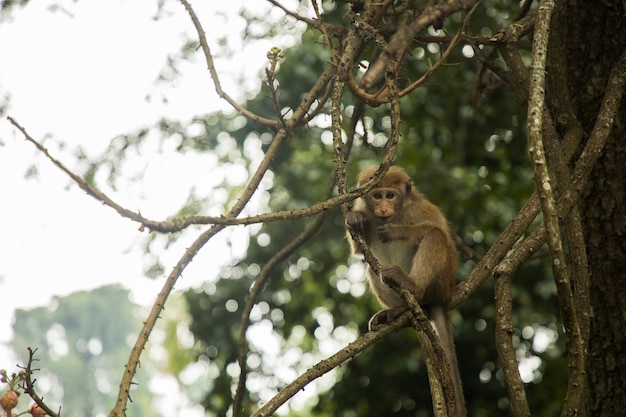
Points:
(412, 233)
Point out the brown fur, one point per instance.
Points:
(410, 237)
(414, 235)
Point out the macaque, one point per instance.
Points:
(411, 239)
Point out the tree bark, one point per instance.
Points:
(593, 37)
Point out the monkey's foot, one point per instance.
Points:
(385, 317)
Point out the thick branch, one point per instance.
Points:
(504, 345)
(551, 221)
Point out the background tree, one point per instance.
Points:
(81, 340)
(372, 82)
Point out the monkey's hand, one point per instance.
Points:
(391, 231)
(357, 221)
(384, 317)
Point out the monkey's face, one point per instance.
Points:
(384, 202)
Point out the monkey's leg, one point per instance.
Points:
(433, 270)
(395, 275)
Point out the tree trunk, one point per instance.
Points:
(595, 38)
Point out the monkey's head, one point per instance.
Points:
(386, 200)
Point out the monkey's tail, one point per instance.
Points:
(440, 320)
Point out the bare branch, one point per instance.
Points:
(504, 343)
(382, 96)
(29, 385)
(215, 76)
(281, 135)
(402, 39)
(257, 289)
(308, 21)
(550, 217)
(175, 225)
(327, 365)
(497, 251)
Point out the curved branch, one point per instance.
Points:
(133, 360)
(327, 365)
(175, 225)
(215, 76)
(402, 39)
(382, 96)
(257, 288)
(548, 207)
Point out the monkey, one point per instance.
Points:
(411, 239)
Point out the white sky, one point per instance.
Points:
(81, 75)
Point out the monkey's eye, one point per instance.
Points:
(377, 195)
(390, 195)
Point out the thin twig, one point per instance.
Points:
(282, 134)
(29, 385)
(215, 76)
(176, 225)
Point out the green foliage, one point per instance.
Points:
(471, 161)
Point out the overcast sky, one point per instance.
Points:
(81, 75)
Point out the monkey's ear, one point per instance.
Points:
(408, 187)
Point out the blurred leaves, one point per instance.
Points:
(469, 160)
(82, 338)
